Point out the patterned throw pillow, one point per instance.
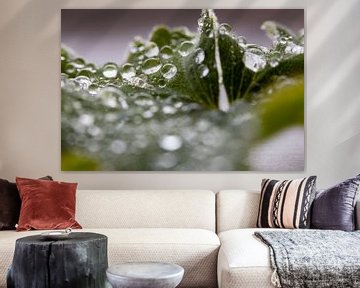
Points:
(286, 204)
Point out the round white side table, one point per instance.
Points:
(145, 275)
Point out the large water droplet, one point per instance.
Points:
(151, 50)
(93, 89)
(166, 52)
(128, 71)
(78, 63)
(293, 48)
(69, 68)
(167, 109)
(168, 71)
(110, 70)
(199, 56)
(274, 58)
(185, 48)
(162, 83)
(254, 59)
(86, 119)
(166, 161)
(242, 41)
(110, 96)
(203, 70)
(118, 146)
(151, 65)
(170, 142)
(144, 100)
(225, 29)
(83, 81)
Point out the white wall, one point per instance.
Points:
(30, 94)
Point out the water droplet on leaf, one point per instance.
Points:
(254, 59)
(225, 29)
(185, 48)
(83, 81)
(203, 70)
(109, 70)
(166, 52)
(199, 56)
(168, 71)
(128, 71)
(151, 65)
(170, 142)
(151, 50)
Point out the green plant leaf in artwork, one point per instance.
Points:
(182, 100)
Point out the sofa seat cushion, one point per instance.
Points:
(194, 249)
(244, 261)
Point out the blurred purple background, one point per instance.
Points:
(103, 35)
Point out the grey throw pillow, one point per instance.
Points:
(334, 208)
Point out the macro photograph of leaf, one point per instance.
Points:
(182, 90)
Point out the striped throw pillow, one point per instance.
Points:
(286, 204)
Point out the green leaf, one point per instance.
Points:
(284, 108)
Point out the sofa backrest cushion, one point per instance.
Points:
(236, 209)
(146, 209)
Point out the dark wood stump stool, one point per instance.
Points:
(79, 261)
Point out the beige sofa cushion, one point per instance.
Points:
(236, 209)
(244, 261)
(146, 209)
(194, 249)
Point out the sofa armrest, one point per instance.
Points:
(357, 215)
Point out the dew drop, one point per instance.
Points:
(199, 56)
(283, 40)
(93, 89)
(168, 71)
(151, 65)
(128, 71)
(70, 68)
(185, 48)
(225, 29)
(170, 142)
(166, 161)
(203, 70)
(293, 48)
(166, 52)
(86, 119)
(109, 70)
(110, 96)
(167, 109)
(254, 59)
(83, 81)
(274, 58)
(78, 63)
(118, 146)
(144, 100)
(162, 83)
(241, 40)
(151, 50)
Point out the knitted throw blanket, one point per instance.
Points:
(313, 258)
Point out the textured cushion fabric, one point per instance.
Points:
(244, 261)
(334, 208)
(46, 204)
(286, 204)
(236, 209)
(194, 249)
(146, 209)
(10, 204)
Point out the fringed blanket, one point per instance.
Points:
(313, 258)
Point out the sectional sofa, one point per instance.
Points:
(209, 234)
